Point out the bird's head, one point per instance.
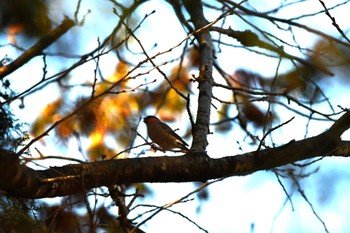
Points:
(150, 119)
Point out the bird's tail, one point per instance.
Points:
(183, 148)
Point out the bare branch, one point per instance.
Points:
(334, 22)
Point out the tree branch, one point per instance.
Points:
(20, 181)
(201, 129)
(37, 49)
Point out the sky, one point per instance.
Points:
(254, 203)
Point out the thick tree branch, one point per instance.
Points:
(20, 181)
(38, 48)
(201, 129)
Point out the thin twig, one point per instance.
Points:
(271, 130)
(334, 23)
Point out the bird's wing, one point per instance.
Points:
(169, 130)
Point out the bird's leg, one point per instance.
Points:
(155, 148)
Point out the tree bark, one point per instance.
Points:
(205, 80)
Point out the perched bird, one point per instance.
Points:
(161, 134)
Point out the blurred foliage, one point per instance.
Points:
(18, 216)
(58, 219)
(115, 113)
(166, 98)
(11, 134)
(29, 216)
(28, 17)
(332, 56)
(302, 82)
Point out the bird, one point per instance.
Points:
(161, 134)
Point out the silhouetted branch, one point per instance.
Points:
(334, 21)
(38, 48)
(20, 181)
